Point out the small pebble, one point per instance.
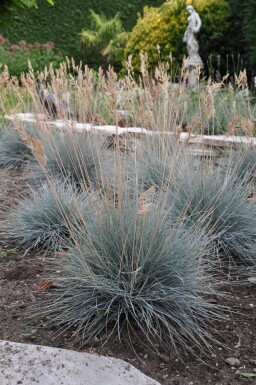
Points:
(232, 361)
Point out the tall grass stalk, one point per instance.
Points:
(154, 103)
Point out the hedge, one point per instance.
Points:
(63, 22)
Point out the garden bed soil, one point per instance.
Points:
(20, 278)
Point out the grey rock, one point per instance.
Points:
(41, 365)
(232, 361)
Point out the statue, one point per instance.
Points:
(194, 25)
(51, 104)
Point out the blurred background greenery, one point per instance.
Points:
(154, 27)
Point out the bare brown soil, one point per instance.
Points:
(21, 274)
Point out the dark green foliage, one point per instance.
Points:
(107, 37)
(242, 33)
(249, 23)
(8, 5)
(63, 23)
(216, 20)
(130, 272)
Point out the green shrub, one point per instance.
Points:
(164, 27)
(17, 56)
(63, 23)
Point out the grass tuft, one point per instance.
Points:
(81, 158)
(13, 150)
(129, 273)
(223, 202)
(42, 221)
(156, 158)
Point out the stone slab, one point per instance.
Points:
(184, 137)
(25, 364)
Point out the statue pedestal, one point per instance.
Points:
(193, 69)
(193, 77)
(194, 61)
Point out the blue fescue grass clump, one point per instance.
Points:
(42, 220)
(130, 271)
(80, 157)
(156, 157)
(223, 202)
(244, 164)
(14, 151)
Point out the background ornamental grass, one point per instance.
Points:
(81, 158)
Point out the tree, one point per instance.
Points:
(107, 36)
(159, 32)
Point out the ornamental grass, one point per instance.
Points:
(42, 220)
(130, 273)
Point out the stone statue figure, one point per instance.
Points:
(194, 25)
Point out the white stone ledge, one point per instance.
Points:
(209, 140)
